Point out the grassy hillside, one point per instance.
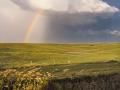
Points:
(20, 55)
(59, 66)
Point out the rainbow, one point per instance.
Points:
(31, 26)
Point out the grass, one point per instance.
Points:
(78, 69)
(61, 60)
(20, 55)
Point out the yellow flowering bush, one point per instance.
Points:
(11, 79)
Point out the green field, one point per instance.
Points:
(62, 58)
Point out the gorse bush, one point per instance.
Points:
(12, 79)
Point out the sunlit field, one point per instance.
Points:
(24, 55)
(36, 62)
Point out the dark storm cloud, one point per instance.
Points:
(23, 4)
(64, 28)
(81, 26)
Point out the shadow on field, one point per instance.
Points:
(101, 82)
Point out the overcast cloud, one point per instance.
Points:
(67, 20)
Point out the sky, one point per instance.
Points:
(59, 21)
